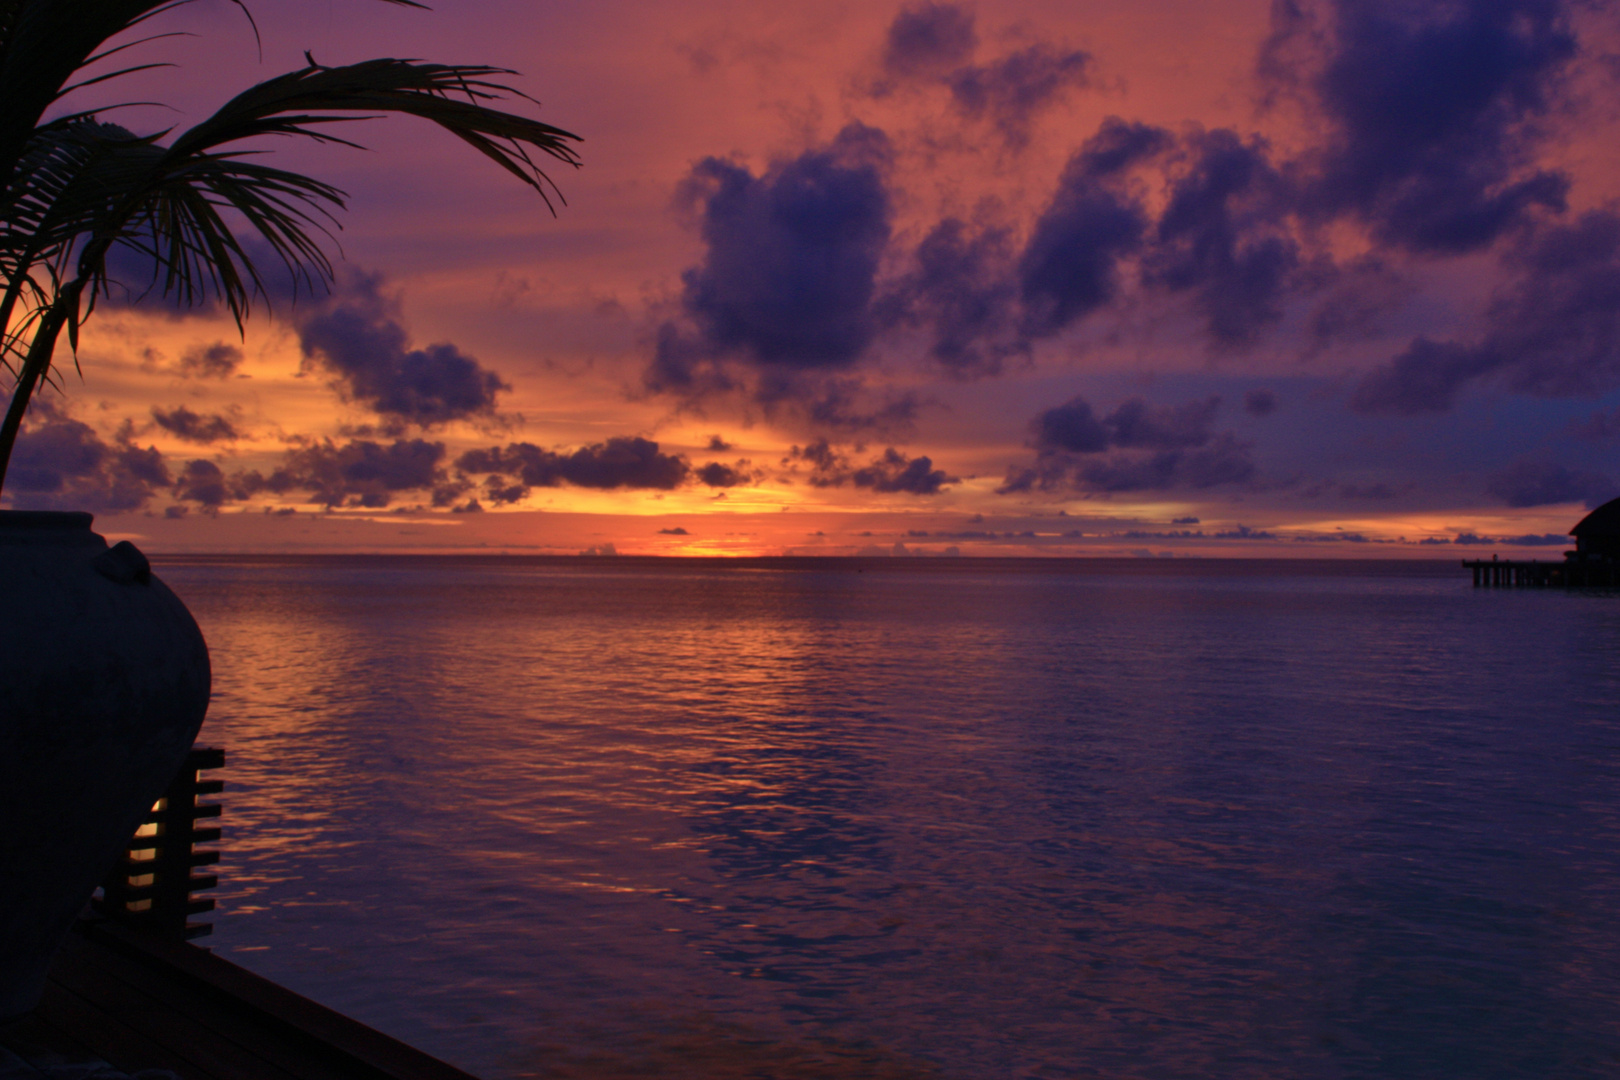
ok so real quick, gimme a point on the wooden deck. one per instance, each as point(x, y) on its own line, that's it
point(136, 1001)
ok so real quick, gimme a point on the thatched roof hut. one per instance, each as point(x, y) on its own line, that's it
point(1598, 533)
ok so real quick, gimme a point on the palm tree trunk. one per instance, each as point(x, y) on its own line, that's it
point(34, 367)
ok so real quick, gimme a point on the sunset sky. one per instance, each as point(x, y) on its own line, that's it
point(1220, 277)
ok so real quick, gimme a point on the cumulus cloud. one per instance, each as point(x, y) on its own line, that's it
point(720, 475)
point(895, 473)
point(890, 473)
point(62, 464)
point(359, 473)
point(355, 335)
point(1434, 112)
point(620, 462)
point(1223, 460)
point(216, 361)
point(1073, 427)
point(933, 44)
point(1069, 268)
point(1011, 91)
point(1137, 425)
point(1426, 378)
point(203, 482)
point(788, 275)
point(964, 293)
point(182, 423)
point(1554, 330)
point(1543, 483)
point(929, 39)
point(1223, 237)
point(1136, 447)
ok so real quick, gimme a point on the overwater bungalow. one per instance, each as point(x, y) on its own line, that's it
point(1594, 562)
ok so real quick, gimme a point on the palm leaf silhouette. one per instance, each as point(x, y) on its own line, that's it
point(77, 186)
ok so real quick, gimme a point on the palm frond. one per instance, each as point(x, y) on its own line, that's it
point(451, 96)
point(74, 189)
point(44, 43)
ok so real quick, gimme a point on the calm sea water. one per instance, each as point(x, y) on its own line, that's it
point(925, 818)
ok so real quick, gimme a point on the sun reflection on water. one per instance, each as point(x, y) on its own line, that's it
point(551, 820)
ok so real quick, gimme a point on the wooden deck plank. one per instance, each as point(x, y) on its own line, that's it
point(107, 1038)
point(138, 1021)
point(363, 1050)
point(32, 1036)
point(137, 1001)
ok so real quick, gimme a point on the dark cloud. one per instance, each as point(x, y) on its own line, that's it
point(1600, 427)
point(963, 291)
point(676, 531)
point(1072, 428)
point(1542, 483)
point(717, 444)
point(1069, 268)
point(928, 39)
point(359, 473)
point(1137, 425)
point(934, 43)
point(1222, 237)
point(1259, 403)
point(1012, 90)
point(217, 361)
point(620, 462)
point(1243, 532)
point(62, 464)
point(1137, 447)
point(718, 475)
point(1527, 540)
point(1557, 329)
point(895, 473)
point(195, 427)
point(891, 473)
point(202, 482)
point(1223, 461)
point(356, 336)
point(824, 461)
point(1553, 331)
point(840, 402)
point(787, 278)
point(1426, 378)
point(1434, 111)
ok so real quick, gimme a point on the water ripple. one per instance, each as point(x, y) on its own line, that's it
point(548, 818)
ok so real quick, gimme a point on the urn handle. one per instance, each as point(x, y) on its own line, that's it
point(124, 563)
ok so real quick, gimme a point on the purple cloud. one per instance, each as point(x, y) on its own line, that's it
point(356, 336)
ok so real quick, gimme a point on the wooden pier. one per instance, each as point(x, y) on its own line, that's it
point(1532, 573)
point(128, 991)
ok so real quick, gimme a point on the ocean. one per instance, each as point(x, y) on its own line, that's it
point(943, 818)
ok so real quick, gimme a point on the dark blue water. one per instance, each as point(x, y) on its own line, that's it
point(906, 818)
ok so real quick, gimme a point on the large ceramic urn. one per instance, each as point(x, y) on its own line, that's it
point(104, 680)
